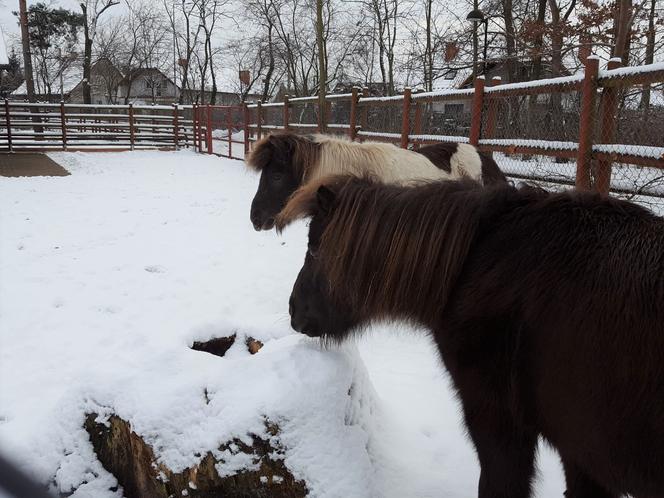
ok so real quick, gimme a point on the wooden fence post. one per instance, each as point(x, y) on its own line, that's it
point(176, 129)
point(63, 125)
point(476, 111)
point(286, 112)
point(492, 110)
point(259, 120)
point(364, 116)
point(405, 118)
point(247, 118)
point(9, 127)
point(229, 128)
point(417, 126)
point(352, 120)
point(208, 129)
point(588, 96)
point(608, 107)
point(194, 124)
point(131, 126)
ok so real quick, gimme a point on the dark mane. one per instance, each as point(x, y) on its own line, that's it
point(297, 152)
point(381, 236)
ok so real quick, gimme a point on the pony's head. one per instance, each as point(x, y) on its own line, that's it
point(314, 309)
point(378, 252)
point(283, 160)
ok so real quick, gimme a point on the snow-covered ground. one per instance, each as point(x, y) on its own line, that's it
point(106, 278)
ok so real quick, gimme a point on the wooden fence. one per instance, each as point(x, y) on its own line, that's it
point(491, 111)
point(594, 150)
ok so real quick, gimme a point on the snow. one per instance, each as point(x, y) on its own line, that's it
point(108, 275)
point(630, 70)
point(466, 94)
point(440, 138)
point(378, 134)
point(4, 58)
point(565, 80)
point(392, 98)
point(632, 150)
point(540, 144)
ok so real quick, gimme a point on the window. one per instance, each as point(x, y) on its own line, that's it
point(453, 109)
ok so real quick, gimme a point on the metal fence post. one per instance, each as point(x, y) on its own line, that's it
point(476, 111)
point(608, 106)
point(208, 129)
point(405, 118)
point(352, 120)
point(588, 96)
point(9, 126)
point(176, 129)
point(131, 126)
point(286, 112)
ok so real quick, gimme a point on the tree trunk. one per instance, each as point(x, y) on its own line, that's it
point(270, 67)
point(510, 42)
point(650, 56)
point(87, 57)
point(322, 68)
point(623, 26)
point(27, 56)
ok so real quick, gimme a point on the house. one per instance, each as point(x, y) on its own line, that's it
point(67, 84)
point(105, 78)
point(147, 86)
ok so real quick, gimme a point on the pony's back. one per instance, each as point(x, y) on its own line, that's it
point(385, 161)
point(574, 286)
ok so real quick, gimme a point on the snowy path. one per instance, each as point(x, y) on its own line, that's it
point(106, 277)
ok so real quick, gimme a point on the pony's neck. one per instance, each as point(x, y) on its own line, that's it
point(342, 157)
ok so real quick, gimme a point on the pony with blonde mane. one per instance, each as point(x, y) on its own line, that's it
point(287, 161)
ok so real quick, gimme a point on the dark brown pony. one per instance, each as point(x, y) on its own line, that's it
point(547, 309)
point(287, 161)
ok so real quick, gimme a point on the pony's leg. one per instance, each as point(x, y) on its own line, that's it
point(506, 453)
point(580, 485)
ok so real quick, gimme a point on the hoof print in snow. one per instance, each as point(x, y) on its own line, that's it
point(125, 455)
point(253, 345)
point(217, 347)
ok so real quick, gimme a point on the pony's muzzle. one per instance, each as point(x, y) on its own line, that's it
point(261, 221)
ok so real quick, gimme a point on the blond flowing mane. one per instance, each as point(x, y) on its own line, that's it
point(391, 164)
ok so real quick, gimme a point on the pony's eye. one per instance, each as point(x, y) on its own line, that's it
point(277, 177)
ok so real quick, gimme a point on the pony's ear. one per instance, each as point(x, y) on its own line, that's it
point(261, 154)
point(325, 198)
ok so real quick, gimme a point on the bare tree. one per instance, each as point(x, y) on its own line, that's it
point(92, 11)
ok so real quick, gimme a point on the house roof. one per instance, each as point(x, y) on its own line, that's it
point(71, 77)
point(456, 82)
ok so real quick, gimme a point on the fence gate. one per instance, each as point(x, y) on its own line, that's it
point(221, 130)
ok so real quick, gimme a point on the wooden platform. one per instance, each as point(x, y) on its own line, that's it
point(29, 164)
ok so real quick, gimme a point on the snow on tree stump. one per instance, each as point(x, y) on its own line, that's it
point(125, 455)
